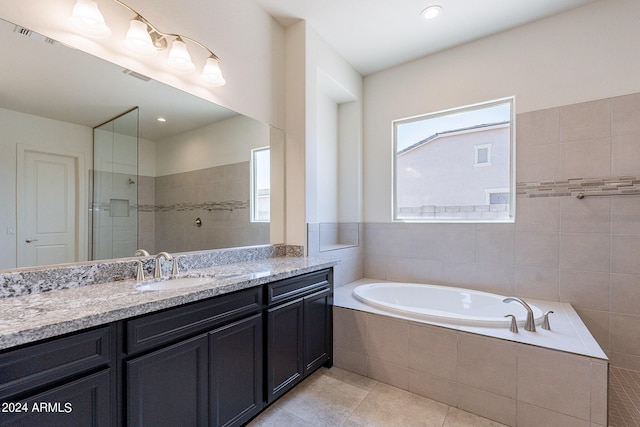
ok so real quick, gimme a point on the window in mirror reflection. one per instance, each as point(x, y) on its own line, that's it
point(260, 184)
point(456, 165)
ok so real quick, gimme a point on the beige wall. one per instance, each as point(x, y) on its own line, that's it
point(585, 252)
point(570, 75)
point(584, 54)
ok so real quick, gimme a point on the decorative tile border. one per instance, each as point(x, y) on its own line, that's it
point(226, 205)
point(610, 186)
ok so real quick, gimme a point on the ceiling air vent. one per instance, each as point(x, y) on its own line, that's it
point(33, 35)
point(137, 75)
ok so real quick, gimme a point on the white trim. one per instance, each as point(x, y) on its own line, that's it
point(476, 151)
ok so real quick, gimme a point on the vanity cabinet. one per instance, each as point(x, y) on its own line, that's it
point(216, 362)
point(61, 382)
point(205, 368)
point(299, 329)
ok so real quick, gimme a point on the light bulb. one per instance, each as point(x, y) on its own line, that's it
point(87, 19)
point(179, 57)
point(212, 73)
point(138, 39)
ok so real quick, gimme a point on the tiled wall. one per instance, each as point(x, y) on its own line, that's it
point(219, 196)
point(585, 252)
point(518, 384)
point(114, 215)
point(351, 254)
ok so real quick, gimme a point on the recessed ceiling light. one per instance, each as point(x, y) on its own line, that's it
point(431, 12)
point(161, 119)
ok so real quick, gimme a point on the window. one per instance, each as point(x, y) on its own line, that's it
point(456, 165)
point(483, 155)
point(260, 184)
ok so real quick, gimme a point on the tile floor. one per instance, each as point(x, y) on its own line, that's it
point(335, 397)
point(624, 398)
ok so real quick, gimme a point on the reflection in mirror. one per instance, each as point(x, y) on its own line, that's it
point(114, 207)
point(195, 164)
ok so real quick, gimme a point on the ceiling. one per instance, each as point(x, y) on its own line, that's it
point(376, 34)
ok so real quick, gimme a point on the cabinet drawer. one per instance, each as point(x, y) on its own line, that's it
point(155, 329)
point(284, 290)
point(84, 402)
point(40, 364)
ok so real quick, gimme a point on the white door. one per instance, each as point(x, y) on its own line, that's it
point(47, 224)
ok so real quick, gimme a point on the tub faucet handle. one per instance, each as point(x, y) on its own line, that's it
point(529, 324)
point(514, 325)
point(545, 321)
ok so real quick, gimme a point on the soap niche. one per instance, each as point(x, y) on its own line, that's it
point(338, 235)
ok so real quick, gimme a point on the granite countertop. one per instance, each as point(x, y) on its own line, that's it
point(29, 318)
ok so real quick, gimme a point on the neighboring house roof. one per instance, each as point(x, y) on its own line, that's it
point(446, 132)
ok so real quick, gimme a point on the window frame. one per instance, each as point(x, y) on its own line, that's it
point(512, 162)
point(253, 196)
point(476, 152)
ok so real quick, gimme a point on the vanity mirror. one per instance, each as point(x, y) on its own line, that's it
point(184, 181)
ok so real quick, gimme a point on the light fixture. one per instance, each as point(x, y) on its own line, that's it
point(145, 39)
point(179, 57)
point(212, 73)
point(86, 17)
point(138, 39)
point(431, 11)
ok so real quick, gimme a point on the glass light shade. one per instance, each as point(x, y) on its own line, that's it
point(212, 73)
point(179, 57)
point(138, 39)
point(87, 19)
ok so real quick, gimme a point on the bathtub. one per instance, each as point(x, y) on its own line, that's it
point(429, 340)
point(444, 304)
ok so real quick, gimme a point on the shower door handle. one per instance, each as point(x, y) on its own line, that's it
point(31, 240)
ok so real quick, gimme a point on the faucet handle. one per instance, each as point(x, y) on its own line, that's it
point(139, 271)
point(545, 321)
point(174, 269)
point(514, 325)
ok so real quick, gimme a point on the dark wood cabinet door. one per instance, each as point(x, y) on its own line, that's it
point(168, 387)
point(235, 372)
point(285, 366)
point(317, 330)
point(84, 402)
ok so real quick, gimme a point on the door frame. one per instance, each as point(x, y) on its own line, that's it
point(82, 196)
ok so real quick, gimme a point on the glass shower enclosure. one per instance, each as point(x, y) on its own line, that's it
point(114, 206)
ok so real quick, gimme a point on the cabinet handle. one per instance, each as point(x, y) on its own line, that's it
point(31, 240)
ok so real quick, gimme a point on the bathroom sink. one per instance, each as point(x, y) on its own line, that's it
point(171, 284)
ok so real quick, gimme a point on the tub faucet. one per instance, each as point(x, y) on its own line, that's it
point(158, 268)
point(529, 324)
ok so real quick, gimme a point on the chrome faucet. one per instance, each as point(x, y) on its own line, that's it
point(529, 324)
point(175, 270)
point(141, 252)
point(139, 271)
point(157, 273)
